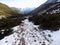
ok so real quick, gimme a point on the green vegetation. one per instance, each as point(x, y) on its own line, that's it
point(47, 21)
point(7, 23)
point(5, 32)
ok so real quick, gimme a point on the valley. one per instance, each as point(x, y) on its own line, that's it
point(41, 26)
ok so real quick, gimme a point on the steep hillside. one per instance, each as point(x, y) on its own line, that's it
point(45, 7)
point(8, 19)
point(48, 16)
point(12, 17)
point(7, 11)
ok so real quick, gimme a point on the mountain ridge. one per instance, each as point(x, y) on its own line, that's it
point(44, 6)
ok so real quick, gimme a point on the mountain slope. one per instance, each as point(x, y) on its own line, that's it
point(7, 11)
point(8, 19)
point(47, 16)
point(45, 7)
point(23, 10)
point(51, 1)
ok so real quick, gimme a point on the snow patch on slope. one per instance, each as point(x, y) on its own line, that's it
point(28, 34)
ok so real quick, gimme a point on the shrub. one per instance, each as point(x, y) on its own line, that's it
point(5, 32)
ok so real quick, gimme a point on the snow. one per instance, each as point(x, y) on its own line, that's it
point(28, 34)
point(56, 38)
point(15, 28)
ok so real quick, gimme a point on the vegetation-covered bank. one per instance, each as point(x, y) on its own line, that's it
point(47, 21)
point(7, 24)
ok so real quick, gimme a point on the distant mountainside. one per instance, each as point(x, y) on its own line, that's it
point(27, 10)
point(45, 7)
point(17, 10)
point(6, 11)
point(23, 10)
point(51, 1)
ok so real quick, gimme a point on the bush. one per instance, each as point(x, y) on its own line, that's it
point(5, 32)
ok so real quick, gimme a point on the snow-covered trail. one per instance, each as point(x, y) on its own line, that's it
point(28, 34)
